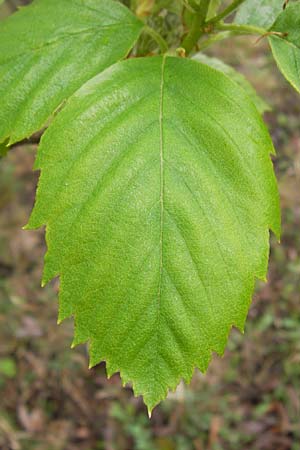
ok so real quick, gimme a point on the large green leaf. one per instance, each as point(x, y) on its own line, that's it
point(261, 13)
point(158, 193)
point(235, 76)
point(286, 50)
point(49, 49)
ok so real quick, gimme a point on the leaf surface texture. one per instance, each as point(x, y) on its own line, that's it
point(235, 76)
point(286, 50)
point(49, 49)
point(261, 13)
point(158, 192)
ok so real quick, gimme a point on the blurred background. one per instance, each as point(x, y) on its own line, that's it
point(249, 399)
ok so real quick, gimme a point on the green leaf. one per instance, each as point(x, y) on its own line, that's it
point(213, 8)
point(158, 192)
point(3, 149)
point(49, 49)
point(235, 76)
point(261, 13)
point(286, 51)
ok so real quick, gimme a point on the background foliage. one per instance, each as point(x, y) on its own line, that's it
point(248, 400)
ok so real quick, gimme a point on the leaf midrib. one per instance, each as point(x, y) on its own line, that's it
point(161, 153)
point(162, 187)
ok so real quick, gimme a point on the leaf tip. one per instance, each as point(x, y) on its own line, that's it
point(92, 362)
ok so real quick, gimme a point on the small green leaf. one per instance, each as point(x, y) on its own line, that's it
point(3, 149)
point(286, 50)
point(158, 192)
point(261, 13)
point(235, 76)
point(49, 49)
point(213, 8)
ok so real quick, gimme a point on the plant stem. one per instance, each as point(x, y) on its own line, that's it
point(229, 34)
point(158, 38)
point(230, 9)
point(213, 39)
point(240, 29)
point(196, 30)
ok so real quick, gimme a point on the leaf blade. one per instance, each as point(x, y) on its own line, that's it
point(261, 13)
point(49, 49)
point(286, 50)
point(144, 211)
point(235, 76)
